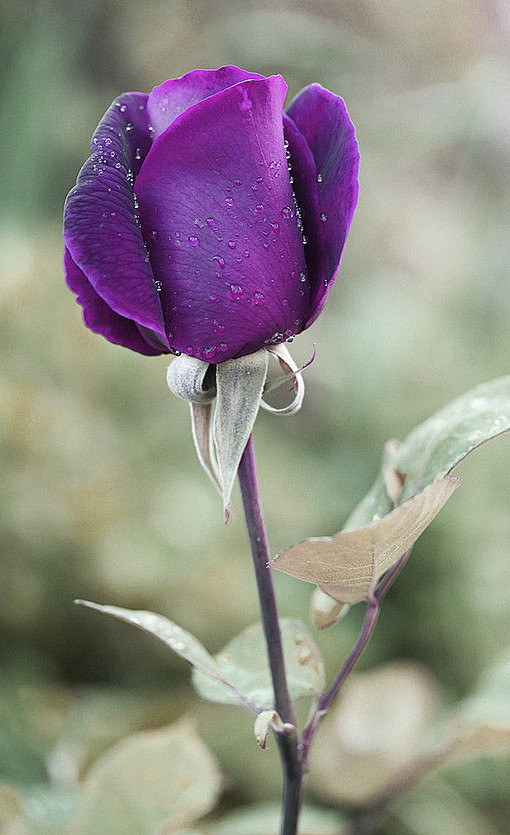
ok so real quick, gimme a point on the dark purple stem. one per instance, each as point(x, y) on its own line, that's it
point(287, 742)
point(372, 614)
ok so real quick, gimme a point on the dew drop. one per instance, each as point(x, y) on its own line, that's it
point(324, 217)
point(209, 221)
point(258, 296)
point(209, 352)
point(123, 108)
point(236, 291)
point(213, 298)
point(129, 127)
point(220, 260)
point(287, 212)
point(319, 178)
point(259, 208)
point(246, 253)
point(198, 224)
point(238, 182)
point(223, 346)
point(154, 234)
point(302, 276)
point(159, 286)
point(304, 239)
point(218, 326)
point(193, 240)
point(285, 302)
point(232, 244)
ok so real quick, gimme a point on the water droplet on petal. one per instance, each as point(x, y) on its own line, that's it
point(232, 244)
point(209, 352)
point(319, 178)
point(236, 291)
point(324, 217)
point(193, 240)
point(209, 221)
point(287, 212)
point(220, 260)
point(123, 108)
point(223, 346)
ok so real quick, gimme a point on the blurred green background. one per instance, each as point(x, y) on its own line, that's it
point(101, 495)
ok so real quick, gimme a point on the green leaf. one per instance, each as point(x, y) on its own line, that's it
point(243, 662)
point(179, 640)
point(182, 642)
point(438, 445)
point(435, 447)
point(348, 566)
point(166, 778)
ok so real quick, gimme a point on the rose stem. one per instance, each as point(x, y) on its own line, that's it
point(371, 616)
point(287, 742)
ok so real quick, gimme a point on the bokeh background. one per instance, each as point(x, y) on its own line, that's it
point(101, 495)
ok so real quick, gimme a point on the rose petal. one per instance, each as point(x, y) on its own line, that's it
point(323, 120)
point(170, 99)
point(306, 189)
point(101, 229)
point(99, 317)
point(215, 190)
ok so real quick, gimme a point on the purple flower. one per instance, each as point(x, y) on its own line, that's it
point(207, 221)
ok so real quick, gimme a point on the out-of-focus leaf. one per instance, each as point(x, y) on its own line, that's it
point(243, 662)
point(11, 812)
point(264, 819)
point(152, 781)
point(348, 565)
point(480, 726)
point(374, 732)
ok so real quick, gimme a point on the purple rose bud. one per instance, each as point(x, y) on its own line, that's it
point(208, 221)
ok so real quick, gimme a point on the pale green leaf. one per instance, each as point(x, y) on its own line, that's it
point(153, 781)
point(243, 662)
point(347, 566)
point(179, 640)
point(435, 447)
point(264, 819)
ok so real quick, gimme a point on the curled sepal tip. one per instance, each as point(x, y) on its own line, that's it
point(291, 370)
point(191, 379)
